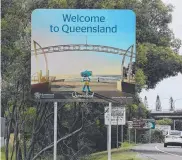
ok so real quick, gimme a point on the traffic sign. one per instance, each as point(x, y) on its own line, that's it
point(130, 124)
point(149, 124)
point(144, 123)
point(117, 116)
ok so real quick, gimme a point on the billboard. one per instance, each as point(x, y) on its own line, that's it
point(79, 55)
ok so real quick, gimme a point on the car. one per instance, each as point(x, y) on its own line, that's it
point(173, 138)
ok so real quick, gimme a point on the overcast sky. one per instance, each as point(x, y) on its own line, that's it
point(171, 86)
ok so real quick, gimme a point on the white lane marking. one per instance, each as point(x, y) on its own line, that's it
point(167, 152)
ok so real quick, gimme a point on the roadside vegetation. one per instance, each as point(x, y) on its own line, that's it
point(10, 155)
point(122, 153)
point(165, 121)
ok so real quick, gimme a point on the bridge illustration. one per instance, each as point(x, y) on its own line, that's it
point(129, 79)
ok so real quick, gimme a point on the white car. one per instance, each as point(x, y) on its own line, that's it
point(173, 138)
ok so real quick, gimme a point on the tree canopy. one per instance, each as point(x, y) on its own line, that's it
point(164, 121)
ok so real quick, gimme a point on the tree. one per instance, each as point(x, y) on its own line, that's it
point(156, 63)
point(171, 103)
point(164, 121)
point(176, 45)
point(158, 104)
point(140, 79)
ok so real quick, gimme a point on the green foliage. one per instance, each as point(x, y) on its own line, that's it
point(117, 154)
point(136, 111)
point(127, 145)
point(164, 121)
point(158, 63)
point(98, 122)
point(157, 136)
point(140, 79)
point(2, 150)
point(68, 107)
point(29, 114)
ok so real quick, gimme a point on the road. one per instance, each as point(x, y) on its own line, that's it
point(158, 152)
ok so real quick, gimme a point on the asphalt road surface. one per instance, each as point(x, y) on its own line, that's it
point(158, 152)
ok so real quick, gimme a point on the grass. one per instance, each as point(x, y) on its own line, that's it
point(122, 153)
point(2, 151)
point(119, 155)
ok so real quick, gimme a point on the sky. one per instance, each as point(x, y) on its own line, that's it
point(66, 63)
point(171, 86)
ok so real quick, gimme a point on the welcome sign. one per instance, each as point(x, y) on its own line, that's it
point(69, 18)
point(79, 54)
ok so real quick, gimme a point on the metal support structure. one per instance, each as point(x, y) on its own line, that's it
point(174, 124)
point(121, 134)
point(117, 132)
point(129, 135)
point(45, 57)
point(37, 64)
point(130, 64)
point(55, 130)
point(40, 75)
point(82, 47)
point(109, 132)
point(123, 60)
point(135, 137)
point(108, 138)
point(150, 130)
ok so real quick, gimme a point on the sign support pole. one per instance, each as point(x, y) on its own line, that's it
point(149, 135)
point(117, 132)
point(108, 138)
point(135, 136)
point(174, 124)
point(109, 132)
point(129, 135)
point(55, 130)
point(122, 135)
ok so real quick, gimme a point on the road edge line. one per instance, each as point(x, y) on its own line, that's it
point(167, 152)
